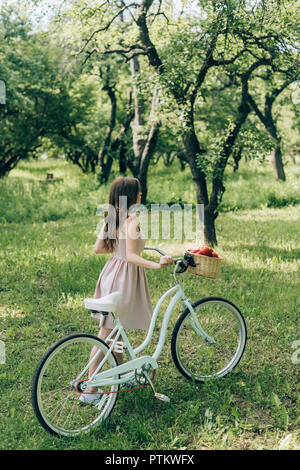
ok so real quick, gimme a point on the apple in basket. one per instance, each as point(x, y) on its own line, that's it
point(204, 251)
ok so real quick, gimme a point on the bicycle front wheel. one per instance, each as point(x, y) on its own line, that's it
point(216, 348)
point(55, 399)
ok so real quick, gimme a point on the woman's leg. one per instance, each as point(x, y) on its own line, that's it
point(103, 334)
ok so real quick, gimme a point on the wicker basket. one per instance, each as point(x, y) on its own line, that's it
point(206, 266)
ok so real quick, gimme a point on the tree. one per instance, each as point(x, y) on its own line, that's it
point(144, 126)
point(144, 122)
point(56, 110)
point(267, 117)
point(111, 146)
point(44, 106)
point(20, 127)
point(144, 131)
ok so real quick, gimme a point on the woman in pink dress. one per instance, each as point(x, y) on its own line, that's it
point(125, 270)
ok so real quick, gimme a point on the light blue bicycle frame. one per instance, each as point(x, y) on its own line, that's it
point(108, 377)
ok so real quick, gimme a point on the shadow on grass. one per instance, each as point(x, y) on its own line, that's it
point(268, 252)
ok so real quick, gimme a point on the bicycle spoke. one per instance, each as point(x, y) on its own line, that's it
point(70, 413)
point(60, 406)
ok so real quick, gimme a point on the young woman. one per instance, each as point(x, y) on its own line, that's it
point(125, 270)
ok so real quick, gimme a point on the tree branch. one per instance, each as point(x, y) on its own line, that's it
point(107, 26)
point(144, 37)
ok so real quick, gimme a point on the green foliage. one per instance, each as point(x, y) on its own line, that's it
point(282, 201)
point(256, 143)
point(70, 118)
point(50, 104)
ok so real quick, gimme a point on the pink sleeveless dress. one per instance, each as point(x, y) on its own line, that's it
point(135, 309)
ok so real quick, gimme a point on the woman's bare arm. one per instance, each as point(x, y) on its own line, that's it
point(131, 228)
point(99, 246)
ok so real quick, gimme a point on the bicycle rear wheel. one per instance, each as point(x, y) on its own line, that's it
point(55, 399)
point(200, 360)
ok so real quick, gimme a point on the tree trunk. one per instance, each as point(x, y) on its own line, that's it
point(276, 156)
point(210, 237)
point(144, 136)
point(182, 160)
point(110, 148)
point(105, 164)
point(192, 150)
point(270, 125)
point(8, 164)
point(277, 164)
point(148, 152)
point(237, 156)
point(122, 158)
point(138, 122)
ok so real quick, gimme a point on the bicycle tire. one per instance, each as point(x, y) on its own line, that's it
point(40, 408)
point(201, 355)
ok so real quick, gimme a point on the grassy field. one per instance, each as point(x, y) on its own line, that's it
point(47, 268)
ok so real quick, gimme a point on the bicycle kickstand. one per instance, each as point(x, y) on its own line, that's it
point(159, 396)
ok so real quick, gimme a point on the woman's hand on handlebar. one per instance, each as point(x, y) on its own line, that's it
point(165, 261)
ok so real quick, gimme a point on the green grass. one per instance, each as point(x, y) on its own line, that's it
point(47, 268)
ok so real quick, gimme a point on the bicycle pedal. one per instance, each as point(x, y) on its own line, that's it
point(162, 397)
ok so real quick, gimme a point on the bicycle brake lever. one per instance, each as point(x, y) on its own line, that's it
point(182, 267)
point(190, 259)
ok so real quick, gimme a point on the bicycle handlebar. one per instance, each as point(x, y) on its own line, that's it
point(156, 249)
point(182, 262)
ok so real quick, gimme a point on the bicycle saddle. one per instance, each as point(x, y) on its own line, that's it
point(104, 304)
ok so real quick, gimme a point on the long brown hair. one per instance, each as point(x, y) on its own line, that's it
point(121, 186)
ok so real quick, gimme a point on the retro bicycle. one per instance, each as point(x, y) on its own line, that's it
point(208, 341)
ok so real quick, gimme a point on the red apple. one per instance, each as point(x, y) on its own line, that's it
point(206, 251)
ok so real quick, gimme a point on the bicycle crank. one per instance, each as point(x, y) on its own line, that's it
point(159, 396)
